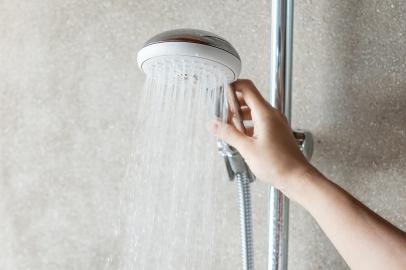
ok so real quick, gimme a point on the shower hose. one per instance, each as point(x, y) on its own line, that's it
point(247, 248)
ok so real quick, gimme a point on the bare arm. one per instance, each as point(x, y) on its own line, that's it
point(364, 239)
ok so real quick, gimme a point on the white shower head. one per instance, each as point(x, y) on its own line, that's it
point(190, 47)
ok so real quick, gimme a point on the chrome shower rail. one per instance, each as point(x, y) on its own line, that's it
point(280, 98)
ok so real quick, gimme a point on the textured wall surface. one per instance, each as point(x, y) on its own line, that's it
point(69, 86)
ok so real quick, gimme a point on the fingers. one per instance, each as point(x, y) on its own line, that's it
point(231, 135)
point(249, 131)
point(246, 113)
point(248, 94)
point(240, 99)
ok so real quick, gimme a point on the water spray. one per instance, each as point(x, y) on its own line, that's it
point(195, 56)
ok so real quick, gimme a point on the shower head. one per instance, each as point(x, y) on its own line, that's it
point(192, 47)
point(208, 63)
point(197, 56)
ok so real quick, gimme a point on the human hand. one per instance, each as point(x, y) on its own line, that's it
point(269, 147)
point(271, 152)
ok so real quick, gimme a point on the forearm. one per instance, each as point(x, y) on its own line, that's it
point(365, 240)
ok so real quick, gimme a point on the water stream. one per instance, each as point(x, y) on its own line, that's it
point(176, 200)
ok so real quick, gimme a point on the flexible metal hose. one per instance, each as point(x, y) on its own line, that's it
point(247, 248)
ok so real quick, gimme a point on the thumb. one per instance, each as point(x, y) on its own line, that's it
point(230, 135)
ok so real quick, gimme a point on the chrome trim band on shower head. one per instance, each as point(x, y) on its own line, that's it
point(194, 36)
point(280, 98)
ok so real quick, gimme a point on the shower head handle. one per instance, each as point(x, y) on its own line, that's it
point(235, 163)
point(234, 113)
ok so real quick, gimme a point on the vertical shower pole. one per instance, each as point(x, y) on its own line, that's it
point(280, 98)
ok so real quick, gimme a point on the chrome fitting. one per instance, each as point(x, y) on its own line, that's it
point(304, 140)
point(235, 163)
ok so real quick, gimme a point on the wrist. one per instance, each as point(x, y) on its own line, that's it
point(299, 184)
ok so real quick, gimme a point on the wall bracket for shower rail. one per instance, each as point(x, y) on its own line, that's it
point(304, 140)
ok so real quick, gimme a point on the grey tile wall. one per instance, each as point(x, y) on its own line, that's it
point(69, 89)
